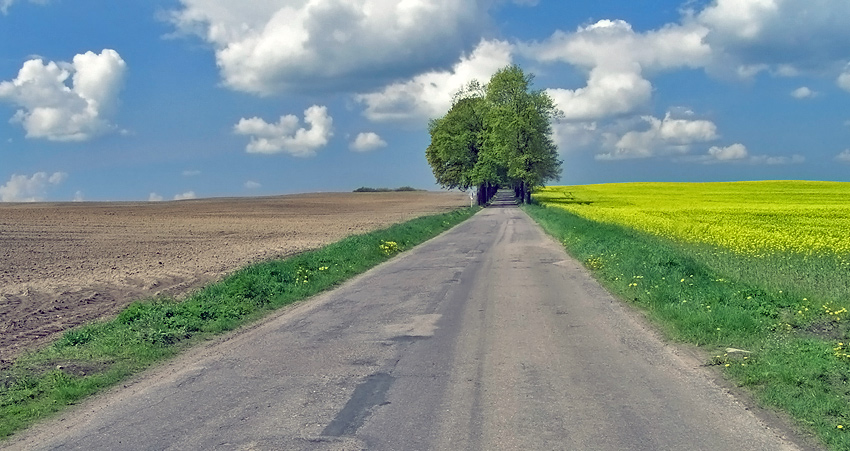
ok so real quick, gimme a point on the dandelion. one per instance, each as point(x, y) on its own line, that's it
point(389, 247)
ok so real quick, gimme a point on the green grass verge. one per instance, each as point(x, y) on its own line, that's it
point(89, 358)
point(799, 360)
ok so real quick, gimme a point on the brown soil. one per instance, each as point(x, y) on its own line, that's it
point(64, 264)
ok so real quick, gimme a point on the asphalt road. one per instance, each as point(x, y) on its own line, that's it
point(487, 338)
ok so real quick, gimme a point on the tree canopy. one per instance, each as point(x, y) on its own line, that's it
point(496, 135)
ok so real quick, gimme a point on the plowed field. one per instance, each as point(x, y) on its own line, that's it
point(63, 264)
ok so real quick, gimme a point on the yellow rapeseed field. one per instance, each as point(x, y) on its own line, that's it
point(752, 218)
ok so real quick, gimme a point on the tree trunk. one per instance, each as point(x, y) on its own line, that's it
point(521, 195)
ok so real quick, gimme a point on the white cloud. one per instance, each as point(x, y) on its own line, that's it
point(286, 136)
point(574, 136)
point(154, 197)
point(664, 136)
point(191, 173)
point(21, 188)
point(844, 79)
point(186, 196)
point(366, 142)
point(5, 4)
point(429, 95)
point(615, 45)
point(606, 94)
point(265, 47)
point(803, 92)
point(844, 156)
point(51, 109)
point(776, 161)
point(784, 36)
point(79, 197)
point(734, 152)
point(789, 38)
point(250, 184)
point(738, 153)
point(740, 19)
point(616, 59)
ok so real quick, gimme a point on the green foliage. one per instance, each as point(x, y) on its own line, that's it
point(798, 342)
point(455, 140)
point(499, 134)
point(518, 131)
point(98, 355)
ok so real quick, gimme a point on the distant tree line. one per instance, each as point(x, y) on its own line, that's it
point(496, 136)
point(366, 189)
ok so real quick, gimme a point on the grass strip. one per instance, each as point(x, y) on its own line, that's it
point(798, 355)
point(98, 355)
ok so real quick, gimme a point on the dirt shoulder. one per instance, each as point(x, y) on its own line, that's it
point(65, 264)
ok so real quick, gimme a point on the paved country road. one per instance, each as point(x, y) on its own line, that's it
point(486, 338)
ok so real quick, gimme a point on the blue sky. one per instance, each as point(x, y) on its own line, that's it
point(161, 100)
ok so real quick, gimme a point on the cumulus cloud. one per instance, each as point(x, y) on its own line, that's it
point(734, 152)
point(429, 95)
point(738, 153)
point(365, 142)
point(737, 37)
point(616, 59)
point(844, 80)
point(265, 47)
point(21, 188)
point(285, 136)
point(784, 36)
point(154, 197)
point(186, 196)
point(250, 184)
point(614, 44)
point(575, 136)
point(607, 94)
point(79, 197)
point(803, 92)
point(844, 156)
point(51, 109)
point(664, 136)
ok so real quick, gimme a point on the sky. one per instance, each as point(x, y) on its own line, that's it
point(158, 100)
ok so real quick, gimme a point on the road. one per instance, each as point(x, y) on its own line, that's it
point(488, 337)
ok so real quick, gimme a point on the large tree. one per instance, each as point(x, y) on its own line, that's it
point(456, 139)
point(518, 131)
point(498, 135)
